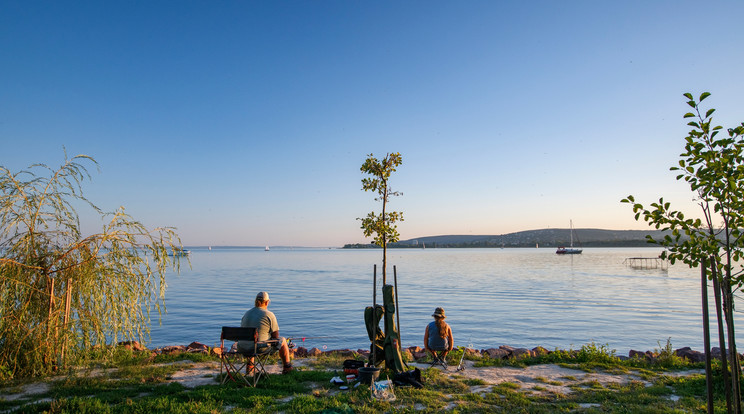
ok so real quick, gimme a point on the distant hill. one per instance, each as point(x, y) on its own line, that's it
point(530, 238)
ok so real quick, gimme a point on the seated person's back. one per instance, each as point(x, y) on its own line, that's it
point(264, 321)
point(261, 319)
point(438, 339)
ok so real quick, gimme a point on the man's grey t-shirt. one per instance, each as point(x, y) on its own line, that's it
point(260, 318)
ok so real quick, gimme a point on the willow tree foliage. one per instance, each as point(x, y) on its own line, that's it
point(381, 226)
point(62, 292)
point(713, 166)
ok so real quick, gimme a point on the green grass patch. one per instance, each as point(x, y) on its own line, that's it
point(141, 384)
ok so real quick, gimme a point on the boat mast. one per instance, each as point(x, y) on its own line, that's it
point(571, 224)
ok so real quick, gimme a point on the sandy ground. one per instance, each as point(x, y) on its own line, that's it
point(547, 378)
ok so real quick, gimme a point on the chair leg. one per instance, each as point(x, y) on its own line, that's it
point(232, 369)
point(255, 368)
point(439, 360)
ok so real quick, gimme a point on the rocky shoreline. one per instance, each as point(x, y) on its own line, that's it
point(416, 353)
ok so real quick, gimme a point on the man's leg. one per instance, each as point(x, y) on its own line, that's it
point(284, 355)
point(250, 367)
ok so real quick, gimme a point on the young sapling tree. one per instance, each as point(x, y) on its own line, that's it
point(381, 226)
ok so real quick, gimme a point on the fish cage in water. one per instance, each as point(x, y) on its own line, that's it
point(646, 263)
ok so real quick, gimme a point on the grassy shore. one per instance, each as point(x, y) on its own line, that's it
point(589, 380)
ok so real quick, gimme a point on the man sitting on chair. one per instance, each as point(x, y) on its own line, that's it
point(268, 329)
point(438, 339)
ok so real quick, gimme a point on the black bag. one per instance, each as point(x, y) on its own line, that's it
point(351, 366)
point(412, 377)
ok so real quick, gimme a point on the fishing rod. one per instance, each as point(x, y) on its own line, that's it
point(291, 339)
point(460, 365)
point(302, 338)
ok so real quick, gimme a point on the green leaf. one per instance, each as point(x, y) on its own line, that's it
point(703, 96)
point(687, 95)
point(710, 112)
point(689, 115)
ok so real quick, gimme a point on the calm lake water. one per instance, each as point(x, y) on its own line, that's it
point(492, 297)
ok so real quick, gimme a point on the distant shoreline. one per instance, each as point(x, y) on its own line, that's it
point(547, 238)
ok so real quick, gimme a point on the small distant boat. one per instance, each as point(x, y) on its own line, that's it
point(266, 248)
point(179, 252)
point(570, 249)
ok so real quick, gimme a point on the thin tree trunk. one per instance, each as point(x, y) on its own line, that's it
point(733, 356)
point(729, 309)
point(706, 337)
point(384, 238)
point(721, 336)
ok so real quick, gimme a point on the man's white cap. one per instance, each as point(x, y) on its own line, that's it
point(264, 296)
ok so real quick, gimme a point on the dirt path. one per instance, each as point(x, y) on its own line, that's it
point(547, 378)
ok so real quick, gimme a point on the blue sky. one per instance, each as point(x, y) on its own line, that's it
point(245, 123)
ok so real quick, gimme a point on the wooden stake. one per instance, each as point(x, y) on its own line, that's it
point(374, 315)
point(397, 308)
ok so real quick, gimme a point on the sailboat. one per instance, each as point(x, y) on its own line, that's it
point(570, 249)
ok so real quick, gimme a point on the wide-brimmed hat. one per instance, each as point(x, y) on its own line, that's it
point(439, 313)
point(264, 296)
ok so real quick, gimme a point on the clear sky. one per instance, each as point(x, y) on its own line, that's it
point(246, 122)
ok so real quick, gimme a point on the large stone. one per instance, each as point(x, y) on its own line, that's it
point(418, 355)
point(690, 354)
point(472, 352)
point(521, 353)
point(497, 353)
point(415, 349)
point(314, 352)
point(650, 355)
point(682, 350)
point(538, 350)
point(636, 354)
point(217, 351)
point(174, 349)
point(715, 352)
point(301, 352)
point(197, 347)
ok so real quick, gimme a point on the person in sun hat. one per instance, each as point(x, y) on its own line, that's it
point(438, 339)
point(268, 328)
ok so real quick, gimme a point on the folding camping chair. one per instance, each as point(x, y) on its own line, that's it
point(439, 360)
point(232, 362)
